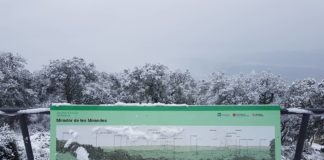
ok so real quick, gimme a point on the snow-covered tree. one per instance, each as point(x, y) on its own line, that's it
point(119, 85)
point(181, 88)
point(301, 93)
point(270, 87)
point(100, 91)
point(253, 88)
point(218, 82)
point(147, 84)
point(234, 89)
point(15, 82)
point(316, 128)
point(238, 91)
point(306, 94)
point(290, 125)
point(319, 102)
point(41, 84)
point(202, 92)
point(67, 78)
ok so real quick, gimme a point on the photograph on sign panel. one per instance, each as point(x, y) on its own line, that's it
point(166, 142)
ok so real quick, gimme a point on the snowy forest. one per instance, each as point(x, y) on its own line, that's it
point(79, 82)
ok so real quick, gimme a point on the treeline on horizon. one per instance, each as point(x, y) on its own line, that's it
point(76, 81)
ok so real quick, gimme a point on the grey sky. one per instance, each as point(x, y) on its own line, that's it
point(285, 37)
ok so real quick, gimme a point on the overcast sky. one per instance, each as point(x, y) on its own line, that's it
point(286, 37)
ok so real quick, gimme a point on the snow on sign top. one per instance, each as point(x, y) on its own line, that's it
point(26, 111)
point(129, 104)
point(299, 110)
point(34, 110)
point(61, 104)
point(161, 106)
point(144, 104)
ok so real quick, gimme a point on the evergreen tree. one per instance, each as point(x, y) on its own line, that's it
point(181, 88)
point(67, 78)
point(147, 84)
point(15, 82)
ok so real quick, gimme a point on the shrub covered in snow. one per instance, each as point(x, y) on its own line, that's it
point(40, 145)
point(8, 148)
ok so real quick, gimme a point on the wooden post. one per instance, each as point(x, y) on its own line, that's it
point(26, 138)
point(301, 137)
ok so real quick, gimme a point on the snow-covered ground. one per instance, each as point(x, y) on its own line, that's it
point(312, 153)
point(317, 152)
point(40, 143)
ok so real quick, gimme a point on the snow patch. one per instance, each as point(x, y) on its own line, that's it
point(7, 114)
point(34, 110)
point(299, 110)
point(144, 104)
point(129, 104)
point(26, 111)
point(170, 131)
point(40, 144)
point(74, 135)
point(82, 154)
point(60, 104)
point(68, 143)
point(317, 147)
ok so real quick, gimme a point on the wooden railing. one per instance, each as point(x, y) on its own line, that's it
point(22, 115)
point(306, 113)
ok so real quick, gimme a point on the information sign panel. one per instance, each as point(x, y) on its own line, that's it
point(165, 132)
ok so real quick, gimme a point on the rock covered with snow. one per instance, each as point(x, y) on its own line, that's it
point(82, 154)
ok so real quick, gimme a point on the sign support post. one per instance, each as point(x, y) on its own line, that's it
point(26, 139)
point(302, 137)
